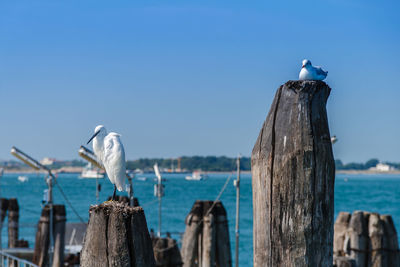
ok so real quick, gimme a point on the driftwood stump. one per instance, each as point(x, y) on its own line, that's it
point(117, 235)
point(206, 238)
point(293, 173)
point(370, 240)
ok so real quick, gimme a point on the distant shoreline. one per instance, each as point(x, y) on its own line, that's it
point(78, 170)
point(366, 172)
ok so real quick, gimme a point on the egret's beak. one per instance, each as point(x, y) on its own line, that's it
point(91, 138)
point(303, 66)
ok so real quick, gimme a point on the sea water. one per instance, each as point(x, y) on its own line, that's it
point(375, 193)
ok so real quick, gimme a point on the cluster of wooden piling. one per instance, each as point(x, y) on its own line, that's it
point(117, 235)
point(206, 238)
point(365, 239)
point(11, 206)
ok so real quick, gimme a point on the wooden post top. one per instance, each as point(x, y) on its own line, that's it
point(109, 206)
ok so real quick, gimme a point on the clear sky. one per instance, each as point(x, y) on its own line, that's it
point(192, 77)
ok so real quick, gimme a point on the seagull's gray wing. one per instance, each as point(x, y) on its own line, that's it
point(320, 71)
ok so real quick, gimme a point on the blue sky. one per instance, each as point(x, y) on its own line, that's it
point(192, 78)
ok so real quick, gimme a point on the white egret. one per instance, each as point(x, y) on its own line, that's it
point(309, 72)
point(110, 152)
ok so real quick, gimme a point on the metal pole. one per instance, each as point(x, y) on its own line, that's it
point(159, 213)
point(50, 203)
point(237, 184)
point(97, 190)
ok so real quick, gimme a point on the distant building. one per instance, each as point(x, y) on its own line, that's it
point(48, 161)
point(382, 167)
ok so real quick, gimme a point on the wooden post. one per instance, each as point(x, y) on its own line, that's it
point(377, 256)
point(3, 213)
point(222, 239)
point(174, 253)
point(166, 252)
point(189, 250)
point(209, 236)
point(343, 262)
point(117, 235)
point(391, 244)
point(356, 246)
point(13, 218)
point(125, 199)
point(59, 234)
point(42, 241)
point(293, 175)
point(340, 229)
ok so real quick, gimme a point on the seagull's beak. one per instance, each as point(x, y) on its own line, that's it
point(91, 138)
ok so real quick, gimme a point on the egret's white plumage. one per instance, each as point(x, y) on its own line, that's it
point(309, 72)
point(109, 150)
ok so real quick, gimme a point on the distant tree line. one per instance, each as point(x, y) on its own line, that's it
point(204, 163)
point(208, 163)
point(362, 166)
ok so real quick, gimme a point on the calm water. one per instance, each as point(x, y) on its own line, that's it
point(377, 193)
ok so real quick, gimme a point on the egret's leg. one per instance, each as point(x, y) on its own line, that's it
point(115, 190)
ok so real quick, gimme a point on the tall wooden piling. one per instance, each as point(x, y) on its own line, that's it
point(293, 174)
point(13, 219)
point(117, 235)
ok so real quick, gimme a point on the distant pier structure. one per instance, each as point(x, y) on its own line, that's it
point(293, 173)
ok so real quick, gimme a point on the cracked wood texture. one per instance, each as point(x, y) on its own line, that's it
point(293, 175)
point(117, 235)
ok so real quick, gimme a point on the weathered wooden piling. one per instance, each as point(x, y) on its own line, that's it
point(224, 257)
point(190, 240)
point(60, 218)
point(125, 199)
point(42, 239)
point(293, 175)
point(3, 214)
point(370, 241)
point(166, 252)
point(209, 234)
point(117, 235)
point(356, 240)
point(340, 228)
point(13, 219)
point(206, 238)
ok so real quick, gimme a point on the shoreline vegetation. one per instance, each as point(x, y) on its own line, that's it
point(186, 164)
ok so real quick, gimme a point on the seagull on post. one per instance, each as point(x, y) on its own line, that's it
point(110, 152)
point(309, 72)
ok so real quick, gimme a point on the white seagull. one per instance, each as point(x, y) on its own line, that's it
point(309, 72)
point(109, 150)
